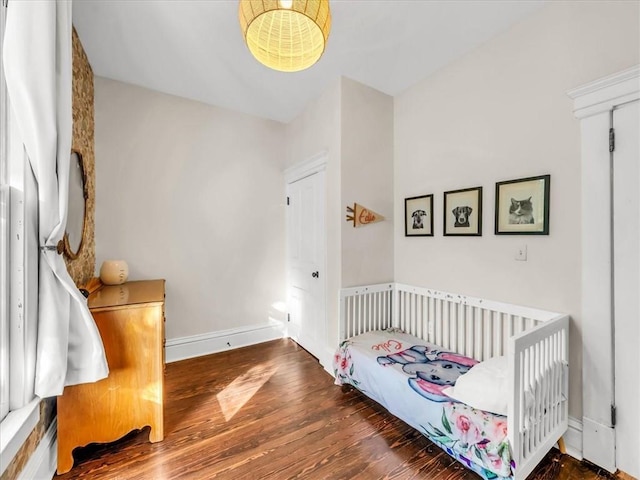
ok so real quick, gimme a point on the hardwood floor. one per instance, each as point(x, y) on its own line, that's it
point(270, 411)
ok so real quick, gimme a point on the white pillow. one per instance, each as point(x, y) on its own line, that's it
point(483, 387)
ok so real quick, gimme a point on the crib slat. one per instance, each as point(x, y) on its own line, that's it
point(550, 365)
point(477, 347)
point(401, 310)
point(432, 319)
point(468, 338)
point(489, 332)
point(370, 315)
point(387, 308)
point(412, 314)
point(460, 330)
point(380, 321)
point(422, 321)
point(447, 325)
point(349, 325)
point(500, 328)
point(450, 325)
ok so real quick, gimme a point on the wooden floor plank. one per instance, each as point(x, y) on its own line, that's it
point(270, 411)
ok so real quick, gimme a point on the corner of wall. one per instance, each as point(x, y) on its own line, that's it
point(366, 176)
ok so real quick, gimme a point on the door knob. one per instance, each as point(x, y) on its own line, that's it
point(315, 274)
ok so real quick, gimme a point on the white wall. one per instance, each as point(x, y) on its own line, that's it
point(353, 124)
point(315, 130)
point(193, 194)
point(499, 113)
point(366, 178)
point(175, 178)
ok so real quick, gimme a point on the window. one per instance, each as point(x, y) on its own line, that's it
point(18, 261)
point(18, 280)
point(4, 239)
point(19, 411)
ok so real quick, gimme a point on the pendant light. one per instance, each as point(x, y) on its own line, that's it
point(285, 35)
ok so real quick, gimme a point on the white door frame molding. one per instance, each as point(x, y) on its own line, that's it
point(593, 104)
point(315, 164)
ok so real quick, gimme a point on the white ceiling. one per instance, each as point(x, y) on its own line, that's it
point(194, 48)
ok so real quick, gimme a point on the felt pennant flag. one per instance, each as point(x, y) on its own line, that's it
point(362, 216)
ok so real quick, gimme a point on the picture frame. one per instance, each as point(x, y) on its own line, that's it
point(522, 206)
point(418, 216)
point(463, 212)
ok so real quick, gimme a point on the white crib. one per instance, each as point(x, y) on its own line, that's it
point(534, 341)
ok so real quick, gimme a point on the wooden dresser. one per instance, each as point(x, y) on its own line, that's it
point(130, 318)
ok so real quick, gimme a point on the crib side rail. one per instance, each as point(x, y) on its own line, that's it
point(499, 307)
point(539, 382)
point(474, 327)
point(365, 308)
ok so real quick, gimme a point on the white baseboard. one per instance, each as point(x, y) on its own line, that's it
point(599, 442)
point(43, 462)
point(327, 361)
point(220, 341)
point(573, 438)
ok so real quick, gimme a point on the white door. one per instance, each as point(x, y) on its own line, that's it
point(306, 260)
point(610, 369)
point(626, 260)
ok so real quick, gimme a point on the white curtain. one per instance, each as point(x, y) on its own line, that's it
point(38, 70)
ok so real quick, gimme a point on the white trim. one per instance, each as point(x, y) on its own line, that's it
point(604, 94)
point(314, 341)
point(4, 295)
point(14, 430)
point(303, 169)
point(300, 170)
point(4, 234)
point(573, 438)
point(213, 342)
point(43, 463)
point(599, 442)
point(327, 360)
point(592, 105)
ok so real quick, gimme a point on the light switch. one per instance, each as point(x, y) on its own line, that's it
point(521, 253)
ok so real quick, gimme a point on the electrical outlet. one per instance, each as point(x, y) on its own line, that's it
point(521, 253)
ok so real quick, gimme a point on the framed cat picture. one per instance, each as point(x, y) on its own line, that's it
point(522, 206)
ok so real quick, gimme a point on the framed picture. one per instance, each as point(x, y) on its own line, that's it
point(522, 206)
point(463, 212)
point(418, 216)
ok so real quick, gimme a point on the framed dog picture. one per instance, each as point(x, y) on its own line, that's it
point(522, 206)
point(418, 216)
point(463, 212)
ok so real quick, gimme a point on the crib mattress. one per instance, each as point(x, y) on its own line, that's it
point(406, 375)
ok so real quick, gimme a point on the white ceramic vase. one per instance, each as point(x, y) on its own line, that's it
point(114, 272)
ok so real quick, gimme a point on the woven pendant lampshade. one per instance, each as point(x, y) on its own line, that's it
point(286, 35)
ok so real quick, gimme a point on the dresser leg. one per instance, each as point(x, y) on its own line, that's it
point(156, 434)
point(65, 460)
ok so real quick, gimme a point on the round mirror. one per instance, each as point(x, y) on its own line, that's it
point(77, 207)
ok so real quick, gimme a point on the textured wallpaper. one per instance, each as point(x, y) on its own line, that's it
point(82, 267)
